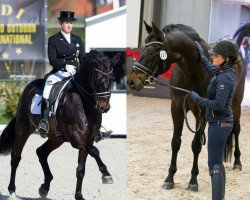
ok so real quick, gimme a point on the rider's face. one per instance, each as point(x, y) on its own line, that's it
point(217, 59)
point(66, 26)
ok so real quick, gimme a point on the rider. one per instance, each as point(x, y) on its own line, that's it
point(65, 52)
point(219, 114)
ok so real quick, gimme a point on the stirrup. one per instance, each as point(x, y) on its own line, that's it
point(103, 135)
point(43, 128)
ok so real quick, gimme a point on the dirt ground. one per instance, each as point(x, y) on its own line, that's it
point(63, 163)
point(149, 127)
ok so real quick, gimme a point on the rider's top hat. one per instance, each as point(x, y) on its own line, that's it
point(67, 16)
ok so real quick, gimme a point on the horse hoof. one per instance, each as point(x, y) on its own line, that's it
point(167, 186)
point(237, 167)
point(42, 192)
point(12, 196)
point(79, 196)
point(193, 187)
point(107, 180)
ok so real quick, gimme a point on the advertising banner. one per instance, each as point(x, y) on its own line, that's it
point(22, 30)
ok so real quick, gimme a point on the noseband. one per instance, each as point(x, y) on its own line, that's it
point(105, 94)
point(151, 74)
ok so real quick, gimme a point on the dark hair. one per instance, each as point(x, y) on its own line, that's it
point(231, 60)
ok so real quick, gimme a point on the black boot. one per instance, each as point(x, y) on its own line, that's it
point(218, 182)
point(43, 126)
point(224, 177)
point(102, 135)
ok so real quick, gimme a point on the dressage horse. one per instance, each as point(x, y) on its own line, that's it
point(176, 43)
point(78, 118)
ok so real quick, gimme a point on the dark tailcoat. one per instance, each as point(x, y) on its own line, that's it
point(61, 53)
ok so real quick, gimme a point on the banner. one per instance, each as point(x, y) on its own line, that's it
point(22, 30)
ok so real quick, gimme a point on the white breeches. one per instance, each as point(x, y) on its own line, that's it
point(51, 80)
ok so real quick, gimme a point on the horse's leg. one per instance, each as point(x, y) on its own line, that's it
point(196, 148)
point(236, 107)
point(80, 172)
point(22, 133)
point(237, 153)
point(178, 119)
point(94, 152)
point(43, 153)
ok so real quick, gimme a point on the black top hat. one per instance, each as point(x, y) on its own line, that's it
point(66, 16)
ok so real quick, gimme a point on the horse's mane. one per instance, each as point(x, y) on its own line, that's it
point(189, 31)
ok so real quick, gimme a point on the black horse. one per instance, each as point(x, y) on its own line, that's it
point(177, 43)
point(241, 33)
point(78, 118)
point(241, 37)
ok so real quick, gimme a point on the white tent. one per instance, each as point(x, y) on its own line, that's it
point(106, 30)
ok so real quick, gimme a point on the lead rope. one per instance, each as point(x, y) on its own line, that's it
point(203, 137)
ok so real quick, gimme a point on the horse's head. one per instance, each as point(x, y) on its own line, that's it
point(155, 59)
point(104, 79)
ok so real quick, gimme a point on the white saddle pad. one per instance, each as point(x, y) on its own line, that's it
point(35, 107)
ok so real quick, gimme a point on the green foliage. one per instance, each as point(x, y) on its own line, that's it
point(3, 120)
point(10, 93)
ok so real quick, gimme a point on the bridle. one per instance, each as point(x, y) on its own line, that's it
point(105, 94)
point(151, 74)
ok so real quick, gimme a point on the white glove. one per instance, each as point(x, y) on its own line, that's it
point(71, 69)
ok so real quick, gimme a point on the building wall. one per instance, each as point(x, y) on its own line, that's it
point(225, 20)
point(133, 22)
point(194, 13)
point(106, 30)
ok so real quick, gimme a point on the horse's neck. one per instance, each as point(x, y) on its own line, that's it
point(84, 78)
point(193, 72)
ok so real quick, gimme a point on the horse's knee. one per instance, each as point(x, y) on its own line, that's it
point(80, 172)
point(92, 150)
point(176, 143)
point(236, 128)
point(196, 143)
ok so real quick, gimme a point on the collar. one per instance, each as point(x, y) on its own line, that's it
point(224, 68)
point(67, 36)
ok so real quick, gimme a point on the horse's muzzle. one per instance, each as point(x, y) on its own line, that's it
point(104, 110)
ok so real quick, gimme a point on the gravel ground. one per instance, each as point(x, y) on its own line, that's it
point(63, 163)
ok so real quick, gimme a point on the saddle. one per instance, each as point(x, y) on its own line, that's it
point(57, 92)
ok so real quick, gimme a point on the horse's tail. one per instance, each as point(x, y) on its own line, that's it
point(7, 138)
point(229, 148)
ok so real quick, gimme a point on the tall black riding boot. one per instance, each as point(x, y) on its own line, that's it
point(224, 177)
point(43, 126)
point(218, 182)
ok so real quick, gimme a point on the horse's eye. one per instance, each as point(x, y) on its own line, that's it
point(151, 51)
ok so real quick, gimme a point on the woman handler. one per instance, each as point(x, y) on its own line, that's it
point(219, 115)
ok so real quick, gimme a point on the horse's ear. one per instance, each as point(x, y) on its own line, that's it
point(115, 59)
point(148, 28)
point(156, 30)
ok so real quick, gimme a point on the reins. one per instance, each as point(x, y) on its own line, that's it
point(203, 138)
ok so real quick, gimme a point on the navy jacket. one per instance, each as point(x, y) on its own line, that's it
point(220, 92)
point(61, 53)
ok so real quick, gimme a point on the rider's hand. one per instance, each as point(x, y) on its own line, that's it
point(199, 48)
point(194, 96)
point(71, 69)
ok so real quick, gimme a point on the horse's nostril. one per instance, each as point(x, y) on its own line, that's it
point(130, 82)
